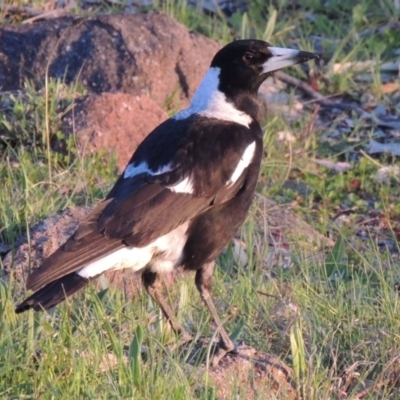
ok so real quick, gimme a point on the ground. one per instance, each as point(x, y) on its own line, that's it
point(310, 285)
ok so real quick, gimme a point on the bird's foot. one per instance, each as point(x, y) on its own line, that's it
point(184, 338)
point(221, 351)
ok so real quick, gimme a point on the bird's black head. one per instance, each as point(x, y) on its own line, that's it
point(245, 64)
point(228, 90)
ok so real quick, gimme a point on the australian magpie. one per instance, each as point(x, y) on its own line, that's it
point(184, 193)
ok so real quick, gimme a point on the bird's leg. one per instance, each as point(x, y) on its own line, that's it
point(153, 286)
point(203, 284)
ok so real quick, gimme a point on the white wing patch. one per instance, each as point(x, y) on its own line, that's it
point(185, 186)
point(132, 170)
point(209, 102)
point(163, 255)
point(244, 162)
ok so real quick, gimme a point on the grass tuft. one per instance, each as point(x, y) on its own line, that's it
point(330, 313)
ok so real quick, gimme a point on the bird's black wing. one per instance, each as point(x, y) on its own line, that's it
point(180, 174)
point(203, 155)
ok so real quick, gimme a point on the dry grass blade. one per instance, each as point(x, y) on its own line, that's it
point(323, 101)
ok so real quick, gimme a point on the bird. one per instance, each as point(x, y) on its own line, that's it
point(183, 195)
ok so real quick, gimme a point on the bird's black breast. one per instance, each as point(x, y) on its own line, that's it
point(212, 230)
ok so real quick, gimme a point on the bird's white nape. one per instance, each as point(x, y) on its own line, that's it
point(210, 102)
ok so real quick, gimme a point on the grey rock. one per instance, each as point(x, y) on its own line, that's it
point(137, 54)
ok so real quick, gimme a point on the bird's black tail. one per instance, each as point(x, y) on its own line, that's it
point(53, 293)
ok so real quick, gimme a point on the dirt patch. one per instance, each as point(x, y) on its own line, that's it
point(257, 372)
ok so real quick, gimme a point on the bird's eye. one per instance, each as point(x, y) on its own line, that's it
point(248, 57)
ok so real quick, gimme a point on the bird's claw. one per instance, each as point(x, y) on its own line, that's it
point(221, 351)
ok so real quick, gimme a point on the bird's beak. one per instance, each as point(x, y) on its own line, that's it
point(282, 58)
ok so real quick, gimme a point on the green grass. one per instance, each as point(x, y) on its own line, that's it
point(332, 316)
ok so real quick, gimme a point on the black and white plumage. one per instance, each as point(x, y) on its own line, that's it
point(184, 193)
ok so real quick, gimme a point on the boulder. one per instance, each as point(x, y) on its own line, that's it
point(114, 122)
point(44, 239)
point(138, 54)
